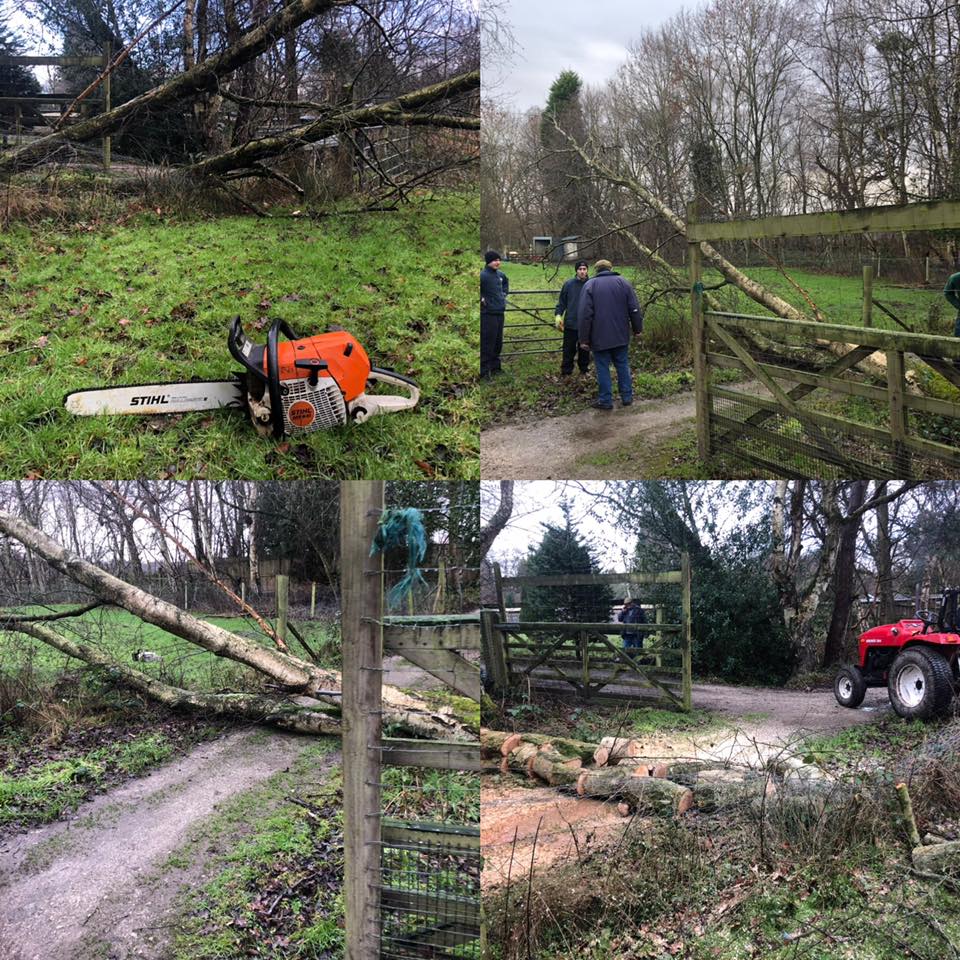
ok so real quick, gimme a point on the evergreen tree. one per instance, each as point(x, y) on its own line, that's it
point(562, 550)
point(16, 81)
point(567, 182)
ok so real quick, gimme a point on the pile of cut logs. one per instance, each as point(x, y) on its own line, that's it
point(616, 769)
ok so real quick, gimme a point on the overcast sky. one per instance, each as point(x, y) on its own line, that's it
point(590, 38)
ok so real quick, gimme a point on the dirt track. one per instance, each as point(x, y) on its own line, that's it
point(551, 449)
point(100, 886)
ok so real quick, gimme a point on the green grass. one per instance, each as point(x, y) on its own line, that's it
point(222, 919)
point(120, 634)
point(46, 791)
point(150, 301)
point(873, 741)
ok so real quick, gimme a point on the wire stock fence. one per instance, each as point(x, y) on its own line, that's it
point(412, 885)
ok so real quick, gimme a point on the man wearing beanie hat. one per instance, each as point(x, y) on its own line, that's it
point(494, 287)
point(609, 311)
point(565, 318)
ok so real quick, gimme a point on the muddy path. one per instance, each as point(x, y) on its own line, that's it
point(554, 448)
point(524, 823)
point(593, 444)
point(103, 884)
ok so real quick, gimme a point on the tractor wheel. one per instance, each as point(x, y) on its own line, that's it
point(920, 684)
point(850, 686)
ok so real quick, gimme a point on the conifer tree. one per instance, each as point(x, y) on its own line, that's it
point(563, 550)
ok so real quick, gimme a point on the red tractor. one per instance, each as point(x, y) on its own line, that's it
point(916, 660)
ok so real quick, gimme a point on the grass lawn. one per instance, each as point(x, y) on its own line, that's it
point(150, 300)
point(662, 361)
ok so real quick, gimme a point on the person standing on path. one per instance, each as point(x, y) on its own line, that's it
point(565, 319)
point(494, 287)
point(632, 612)
point(607, 313)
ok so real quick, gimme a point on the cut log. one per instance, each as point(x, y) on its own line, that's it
point(942, 858)
point(518, 759)
point(612, 749)
point(504, 743)
point(646, 795)
point(638, 769)
point(491, 741)
point(549, 765)
point(685, 772)
point(720, 789)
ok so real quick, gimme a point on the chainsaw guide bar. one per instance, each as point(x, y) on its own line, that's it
point(152, 398)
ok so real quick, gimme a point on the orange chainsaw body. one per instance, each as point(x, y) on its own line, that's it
point(345, 360)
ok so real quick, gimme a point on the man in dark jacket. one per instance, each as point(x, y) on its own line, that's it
point(494, 286)
point(566, 320)
point(607, 313)
point(632, 612)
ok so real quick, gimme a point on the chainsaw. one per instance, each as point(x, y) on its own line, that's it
point(289, 388)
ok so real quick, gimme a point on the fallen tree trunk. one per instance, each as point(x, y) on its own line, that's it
point(203, 77)
point(719, 789)
point(296, 676)
point(236, 706)
point(874, 363)
point(646, 795)
point(614, 749)
point(396, 111)
point(517, 760)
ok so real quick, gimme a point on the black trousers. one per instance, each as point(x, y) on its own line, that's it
point(491, 342)
point(571, 351)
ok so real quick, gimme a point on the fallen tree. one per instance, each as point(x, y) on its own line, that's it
point(294, 676)
point(873, 363)
point(398, 111)
point(202, 78)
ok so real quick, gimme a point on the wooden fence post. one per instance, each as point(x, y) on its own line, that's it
point(701, 397)
point(898, 413)
point(868, 295)
point(686, 635)
point(494, 652)
point(283, 604)
point(361, 502)
point(313, 599)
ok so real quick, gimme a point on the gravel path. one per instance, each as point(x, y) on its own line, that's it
point(99, 885)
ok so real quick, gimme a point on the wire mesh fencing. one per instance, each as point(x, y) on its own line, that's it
point(430, 892)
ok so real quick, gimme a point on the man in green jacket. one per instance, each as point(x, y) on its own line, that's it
point(952, 292)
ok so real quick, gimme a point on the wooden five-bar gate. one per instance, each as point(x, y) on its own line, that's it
point(877, 422)
point(589, 660)
point(411, 889)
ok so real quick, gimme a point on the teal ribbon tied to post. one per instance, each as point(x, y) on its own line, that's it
point(698, 287)
point(400, 527)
